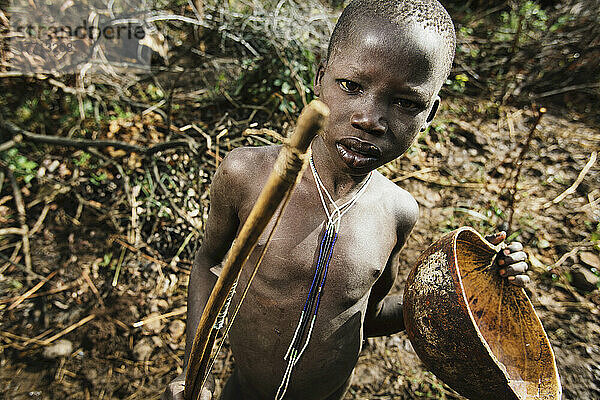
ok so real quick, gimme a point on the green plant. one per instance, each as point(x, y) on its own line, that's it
point(106, 259)
point(595, 235)
point(97, 179)
point(82, 160)
point(19, 164)
point(459, 83)
point(528, 21)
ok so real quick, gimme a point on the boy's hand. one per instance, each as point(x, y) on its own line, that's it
point(512, 260)
point(175, 389)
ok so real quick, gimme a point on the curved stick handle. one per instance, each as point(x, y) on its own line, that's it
point(286, 172)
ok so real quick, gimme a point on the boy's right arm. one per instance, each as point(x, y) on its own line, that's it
point(220, 230)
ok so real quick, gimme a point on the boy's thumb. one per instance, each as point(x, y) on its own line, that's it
point(496, 238)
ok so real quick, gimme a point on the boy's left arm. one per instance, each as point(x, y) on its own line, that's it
point(384, 313)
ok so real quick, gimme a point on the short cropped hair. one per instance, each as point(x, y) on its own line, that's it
point(429, 13)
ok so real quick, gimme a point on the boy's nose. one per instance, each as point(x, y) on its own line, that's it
point(371, 122)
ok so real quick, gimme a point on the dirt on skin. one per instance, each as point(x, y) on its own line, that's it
point(459, 173)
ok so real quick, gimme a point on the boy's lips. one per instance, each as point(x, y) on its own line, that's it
point(357, 153)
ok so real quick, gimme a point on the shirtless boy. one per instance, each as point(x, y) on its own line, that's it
point(386, 63)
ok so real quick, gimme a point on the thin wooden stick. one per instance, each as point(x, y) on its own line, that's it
point(412, 174)
point(90, 283)
point(118, 269)
point(31, 291)
point(173, 313)
point(38, 224)
point(37, 339)
point(5, 198)
point(522, 153)
point(11, 143)
point(286, 171)
point(22, 218)
point(11, 231)
point(246, 289)
point(69, 329)
point(23, 135)
point(33, 231)
point(45, 293)
point(13, 259)
point(577, 182)
point(24, 339)
point(136, 250)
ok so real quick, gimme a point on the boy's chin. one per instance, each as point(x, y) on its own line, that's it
point(357, 161)
point(360, 170)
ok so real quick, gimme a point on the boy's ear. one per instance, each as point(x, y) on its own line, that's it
point(434, 109)
point(318, 79)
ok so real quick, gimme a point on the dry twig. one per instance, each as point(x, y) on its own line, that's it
point(31, 291)
point(76, 325)
point(86, 143)
point(22, 218)
point(89, 281)
point(179, 311)
point(11, 143)
point(44, 293)
point(519, 160)
point(573, 187)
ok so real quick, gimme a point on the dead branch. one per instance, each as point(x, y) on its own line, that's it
point(11, 231)
point(519, 160)
point(11, 143)
point(44, 293)
point(69, 329)
point(22, 218)
point(179, 311)
point(577, 182)
point(86, 143)
point(31, 291)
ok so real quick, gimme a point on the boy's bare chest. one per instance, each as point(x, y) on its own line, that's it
point(364, 242)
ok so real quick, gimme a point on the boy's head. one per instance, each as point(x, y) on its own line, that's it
point(386, 63)
point(428, 13)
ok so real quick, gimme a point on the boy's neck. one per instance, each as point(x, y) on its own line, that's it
point(338, 183)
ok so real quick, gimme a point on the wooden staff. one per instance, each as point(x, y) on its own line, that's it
point(286, 172)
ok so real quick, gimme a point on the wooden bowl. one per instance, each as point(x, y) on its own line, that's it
point(474, 330)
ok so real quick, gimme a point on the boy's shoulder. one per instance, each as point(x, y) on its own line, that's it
point(246, 159)
point(244, 169)
point(247, 164)
point(398, 202)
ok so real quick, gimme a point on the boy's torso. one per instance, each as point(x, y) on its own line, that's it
point(265, 325)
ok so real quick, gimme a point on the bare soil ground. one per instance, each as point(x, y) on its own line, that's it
point(459, 173)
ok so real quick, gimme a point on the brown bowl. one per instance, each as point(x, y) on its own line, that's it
point(474, 330)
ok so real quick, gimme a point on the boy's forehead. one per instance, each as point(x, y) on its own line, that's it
point(388, 43)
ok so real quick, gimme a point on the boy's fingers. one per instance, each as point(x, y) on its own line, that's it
point(512, 258)
point(519, 280)
point(515, 246)
point(516, 269)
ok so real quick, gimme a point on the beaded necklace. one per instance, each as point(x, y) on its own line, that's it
point(311, 305)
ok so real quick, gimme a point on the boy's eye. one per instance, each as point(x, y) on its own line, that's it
point(349, 86)
point(409, 104)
